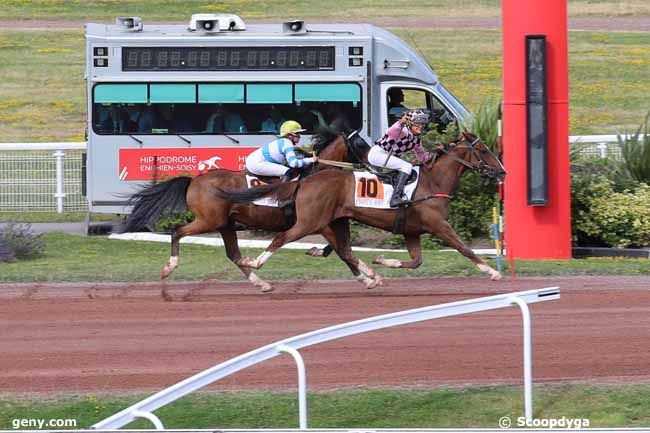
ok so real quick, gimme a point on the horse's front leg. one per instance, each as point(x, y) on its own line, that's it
point(257, 263)
point(415, 251)
point(446, 233)
point(338, 236)
point(317, 252)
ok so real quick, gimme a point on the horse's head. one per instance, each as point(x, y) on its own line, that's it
point(334, 145)
point(358, 148)
point(322, 139)
point(475, 155)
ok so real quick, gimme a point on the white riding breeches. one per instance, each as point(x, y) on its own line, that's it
point(257, 164)
point(379, 157)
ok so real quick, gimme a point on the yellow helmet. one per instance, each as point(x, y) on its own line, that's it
point(290, 127)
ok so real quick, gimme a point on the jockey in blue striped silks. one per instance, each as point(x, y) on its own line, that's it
point(278, 157)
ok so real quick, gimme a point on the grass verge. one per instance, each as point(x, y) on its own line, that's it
point(70, 258)
point(603, 406)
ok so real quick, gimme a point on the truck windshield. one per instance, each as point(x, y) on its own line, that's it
point(457, 106)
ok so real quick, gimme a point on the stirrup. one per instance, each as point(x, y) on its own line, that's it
point(399, 202)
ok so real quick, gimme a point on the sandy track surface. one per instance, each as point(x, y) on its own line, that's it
point(111, 337)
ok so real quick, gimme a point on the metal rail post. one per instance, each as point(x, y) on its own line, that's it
point(528, 367)
point(59, 154)
point(302, 383)
point(151, 417)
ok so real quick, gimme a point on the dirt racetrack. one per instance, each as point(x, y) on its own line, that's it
point(109, 337)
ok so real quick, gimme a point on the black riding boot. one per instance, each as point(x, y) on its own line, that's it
point(397, 200)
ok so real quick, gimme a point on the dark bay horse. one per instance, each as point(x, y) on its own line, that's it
point(213, 213)
point(329, 196)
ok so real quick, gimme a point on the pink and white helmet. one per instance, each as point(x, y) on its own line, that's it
point(417, 117)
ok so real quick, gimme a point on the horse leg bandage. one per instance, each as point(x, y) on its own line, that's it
point(494, 274)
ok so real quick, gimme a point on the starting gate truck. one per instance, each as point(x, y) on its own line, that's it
point(167, 100)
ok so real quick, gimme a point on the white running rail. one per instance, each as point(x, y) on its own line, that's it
point(144, 408)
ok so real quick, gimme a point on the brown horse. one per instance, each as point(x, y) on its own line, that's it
point(329, 196)
point(212, 213)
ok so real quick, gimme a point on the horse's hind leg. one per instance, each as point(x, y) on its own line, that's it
point(341, 244)
point(296, 232)
point(447, 234)
point(229, 235)
point(195, 227)
point(415, 251)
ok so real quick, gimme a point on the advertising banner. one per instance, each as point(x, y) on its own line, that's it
point(147, 164)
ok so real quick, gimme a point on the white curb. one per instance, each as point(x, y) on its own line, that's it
point(218, 242)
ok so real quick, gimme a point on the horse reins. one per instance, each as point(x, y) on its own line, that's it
point(460, 161)
point(341, 163)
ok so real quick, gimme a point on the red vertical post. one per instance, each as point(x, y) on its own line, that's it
point(536, 232)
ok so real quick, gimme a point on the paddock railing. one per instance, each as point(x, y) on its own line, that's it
point(597, 145)
point(41, 177)
point(44, 177)
point(144, 409)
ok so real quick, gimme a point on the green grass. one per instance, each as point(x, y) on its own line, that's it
point(608, 79)
point(42, 97)
point(266, 9)
point(70, 258)
point(611, 406)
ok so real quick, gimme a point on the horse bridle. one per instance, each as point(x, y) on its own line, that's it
point(351, 149)
point(482, 167)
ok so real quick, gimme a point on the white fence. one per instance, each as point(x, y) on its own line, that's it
point(43, 177)
point(597, 145)
point(144, 409)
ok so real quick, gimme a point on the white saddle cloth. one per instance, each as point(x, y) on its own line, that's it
point(369, 191)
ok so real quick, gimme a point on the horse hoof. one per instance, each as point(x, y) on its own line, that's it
point(265, 288)
point(245, 262)
point(378, 260)
point(315, 252)
point(495, 276)
point(371, 284)
point(164, 273)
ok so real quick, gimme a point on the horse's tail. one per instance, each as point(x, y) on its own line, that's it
point(154, 201)
point(280, 190)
